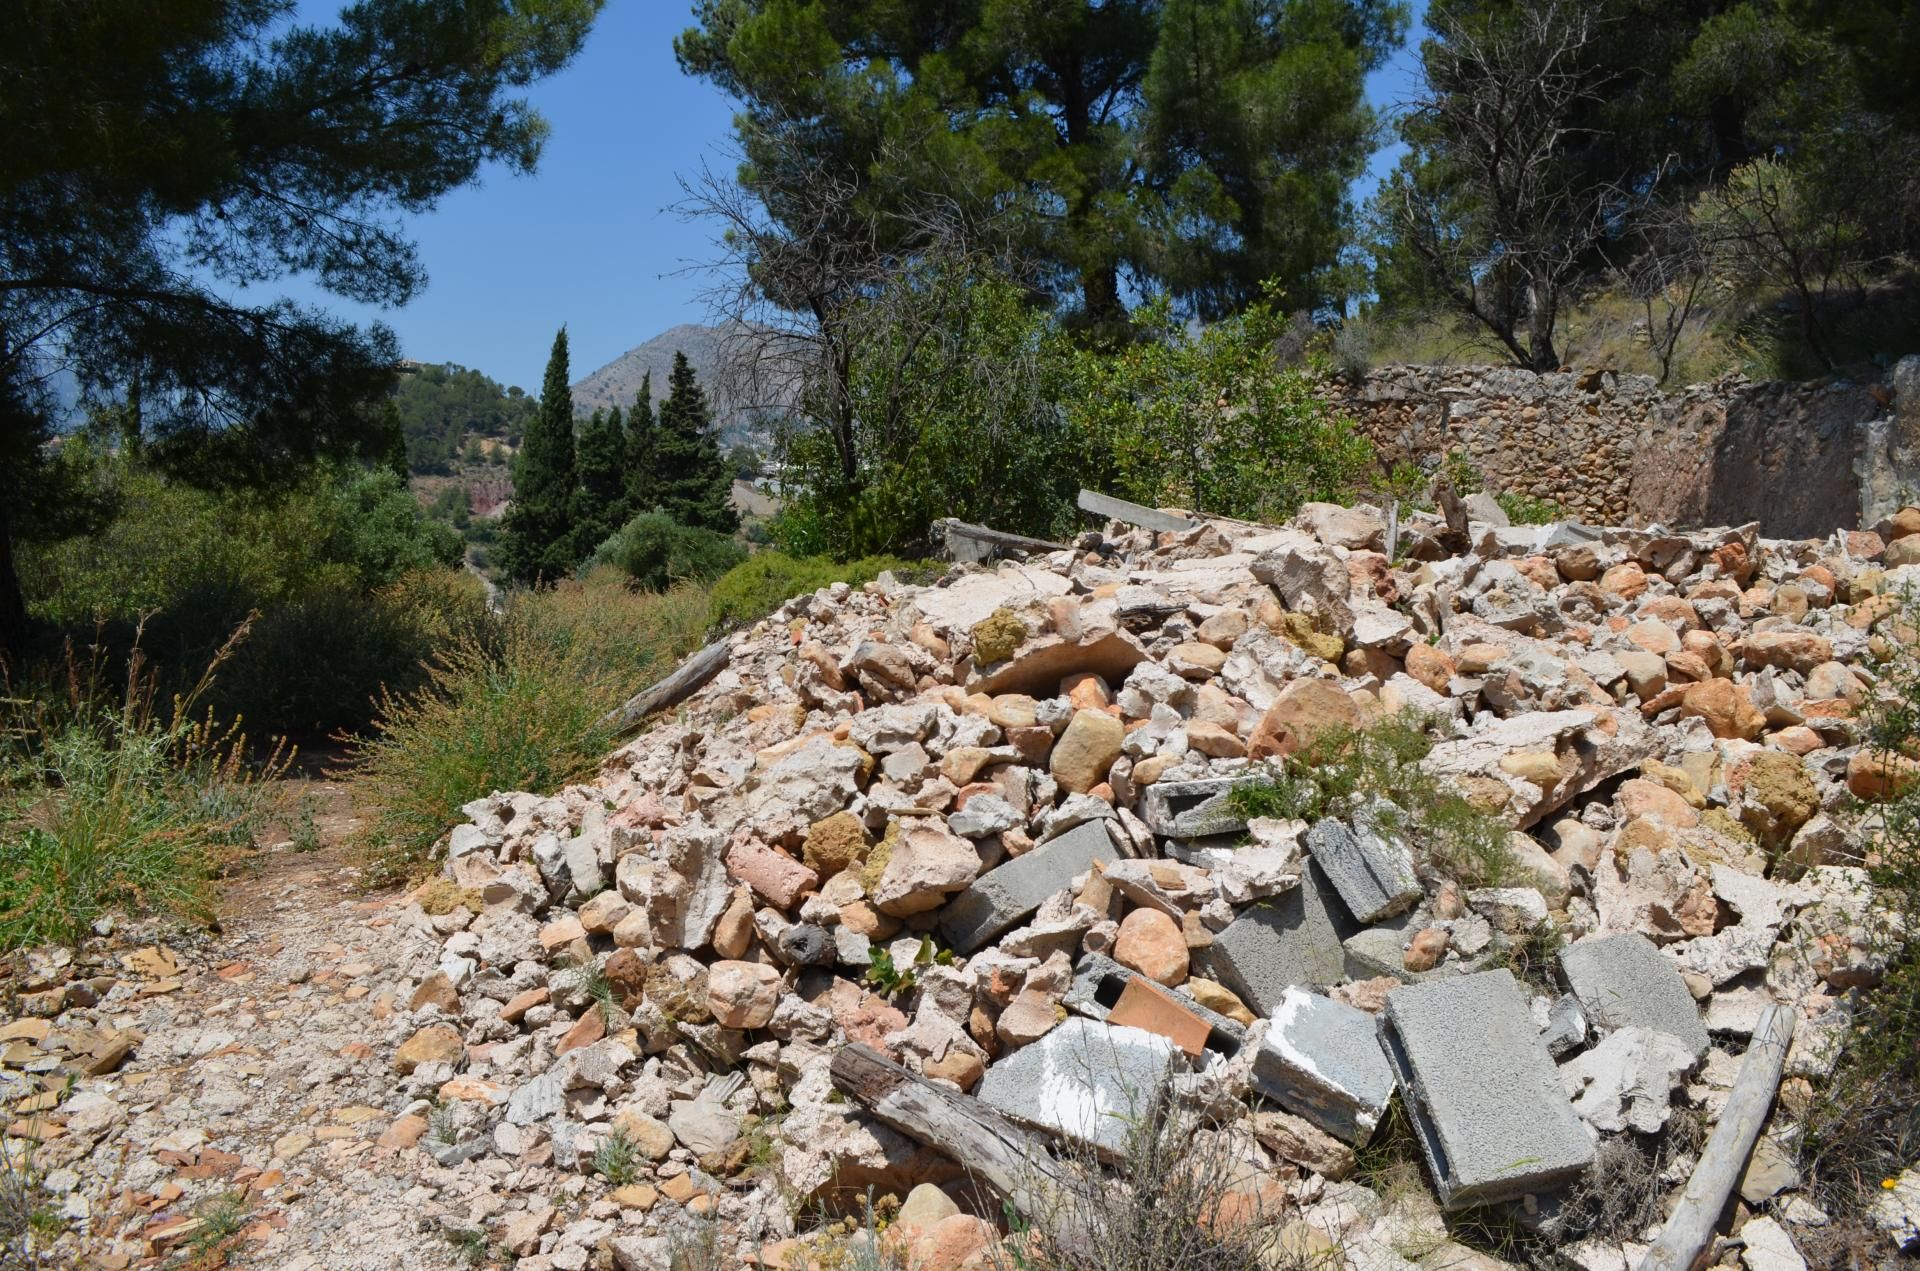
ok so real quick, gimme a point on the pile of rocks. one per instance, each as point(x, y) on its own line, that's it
point(986, 829)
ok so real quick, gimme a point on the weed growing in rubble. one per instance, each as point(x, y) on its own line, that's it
point(111, 797)
point(888, 979)
point(221, 1218)
point(469, 1245)
point(1864, 1124)
point(1531, 957)
point(28, 1224)
point(519, 706)
point(1185, 1193)
point(694, 1245)
point(1340, 769)
point(617, 1158)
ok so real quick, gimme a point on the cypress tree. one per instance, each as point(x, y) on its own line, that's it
point(693, 480)
point(538, 536)
point(641, 485)
point(601, 501)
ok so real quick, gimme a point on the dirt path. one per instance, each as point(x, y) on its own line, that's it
point(255, 1120)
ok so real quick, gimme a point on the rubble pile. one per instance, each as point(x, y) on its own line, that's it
point(988, 829)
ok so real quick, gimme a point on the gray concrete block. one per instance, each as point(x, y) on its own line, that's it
point(1098, 982)
point(1371, 868)
point(1290, 941)
point(1131, 513)
point(1086, 1080)
point(1485, 1100)
point(1001, 898)
point(1190, 809)
point(1322, 1059)
point(1624, 981)
point(1566, 1028)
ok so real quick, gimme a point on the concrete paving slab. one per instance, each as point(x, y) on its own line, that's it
point(1322, 1059)
point(1001, 898)
point(1371, 868)
point(1290, 941)
point(1485, 1100)
point(1086, 1080)
point(1624, 981)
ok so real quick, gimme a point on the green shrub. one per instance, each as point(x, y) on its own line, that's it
point(655, 552)
point(951, 409)
point(766, 580)
point(1525, 509)
point(516, 706)
point(1211, 421)
point(108, 800)
point(318, 663)
point(1342, 768)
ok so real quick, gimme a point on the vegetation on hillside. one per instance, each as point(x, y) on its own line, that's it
point(446, 409)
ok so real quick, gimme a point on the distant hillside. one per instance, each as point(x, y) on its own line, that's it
point(705, 346)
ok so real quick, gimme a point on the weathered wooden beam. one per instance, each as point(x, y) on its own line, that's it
point(967, 542)
point(1007, 1158)
point(1132, 513)
point(1690, 1228)
point(686, 678)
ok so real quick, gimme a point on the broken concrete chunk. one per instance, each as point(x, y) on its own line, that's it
point(1627, 1081)
point(1322, 1059)
point(1190, 809)
point(1000, 898)
point(1086, 1080)
point(1291, 941)
point(1624, 981)
point(1370, 867)
point(1493, 1121)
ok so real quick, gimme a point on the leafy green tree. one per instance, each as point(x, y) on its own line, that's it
point(1766, 226)
point(1254, 126)
point(539, 542)
point(1210, 421)
point(641, 432)
point(602, 505)
point(954, 394)
point(692, 482)
point(655, 551)
point(1113, 124)
point(160, 157)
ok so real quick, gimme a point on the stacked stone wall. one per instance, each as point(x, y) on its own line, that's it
point(1617, 449)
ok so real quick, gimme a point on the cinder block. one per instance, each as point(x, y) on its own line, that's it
point(1370, 868)
point(1190, 809)
point(1322, 1059)
point(1001, 898)
point(1624, 981)
point(1088, 1081)
point(1492, 1119)
point(1099, 983)
point(1290, 941)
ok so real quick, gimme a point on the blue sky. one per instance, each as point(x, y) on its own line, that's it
point(588, 240)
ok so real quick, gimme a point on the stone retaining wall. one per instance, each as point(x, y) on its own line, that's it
point(1616, 449)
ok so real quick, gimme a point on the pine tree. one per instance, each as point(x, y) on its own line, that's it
point(538, 537)
point(693, 480)
point(642, 486)
point(601, 505)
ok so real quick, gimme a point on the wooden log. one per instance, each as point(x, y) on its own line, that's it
point(1131, 513)
point(686, 677)
point(1690, 1229)
point(991, 1148)
point(967, 542)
